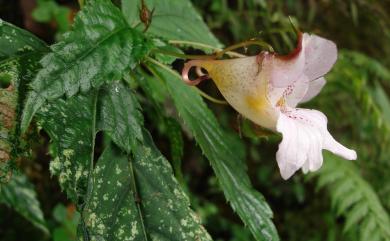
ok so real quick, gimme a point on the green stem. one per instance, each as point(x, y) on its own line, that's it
point(201, 45)
point(244, 44)
point(182, 56)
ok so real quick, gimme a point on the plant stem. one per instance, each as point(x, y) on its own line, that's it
point(183, 56)
point(244, 44)
point(201, 45)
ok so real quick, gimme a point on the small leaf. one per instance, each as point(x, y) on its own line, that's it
point(20, 195)
point(355, 215)
point(99, 49)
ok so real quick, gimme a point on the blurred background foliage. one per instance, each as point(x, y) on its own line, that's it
point(344, 201)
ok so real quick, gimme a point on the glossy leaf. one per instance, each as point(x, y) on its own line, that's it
point(228, 166)
point(98, 50)
point(19, 55)
point(70, 125)
point(17, 43)
point(177, 19)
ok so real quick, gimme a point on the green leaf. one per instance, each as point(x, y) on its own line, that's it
point(176, 144)
point(228, 166)
point(99, 49)
point(111, 212)
point(17, 43)
point(48, 10)
point(105, 194)
point(172, 19)
point(119, 115)
point(358, 203)
point(20, 195)
point(19, 55)
point(139, 199)
point(69, 124)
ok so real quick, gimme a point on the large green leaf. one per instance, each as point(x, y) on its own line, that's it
point(111, 211)
point(138, 198)
point(99, 49)
point(228, 166)
point(105, 194)
point(20, 195)
point(172, 19)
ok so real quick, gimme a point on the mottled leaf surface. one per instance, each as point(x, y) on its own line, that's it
point(17, 43)
point(228, 166)
point(19, 55)
point(172, 19)
point(100, 47)
point(111, 211)
point(165, 206)
point(138, 198)
point(69, 124)
point(107, 195)
point(20, 195)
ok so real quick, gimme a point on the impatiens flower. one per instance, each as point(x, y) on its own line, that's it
point(267, 88)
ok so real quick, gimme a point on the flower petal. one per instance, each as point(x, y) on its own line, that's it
point(320, 55)
point(282, 71)
point(297, 91)
point(304, 136)
point(314, 89)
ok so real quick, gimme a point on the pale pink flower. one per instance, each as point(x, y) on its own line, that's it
point(267, 88)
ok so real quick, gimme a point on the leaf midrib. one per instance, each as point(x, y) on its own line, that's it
point(85, 54)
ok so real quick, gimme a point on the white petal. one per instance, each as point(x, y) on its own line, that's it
point(304, 136)
point(320, 55)
point(314, 89)
point(297, 91)
point(283, 70)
